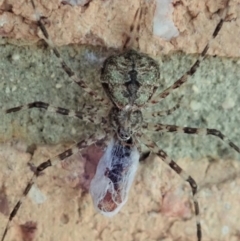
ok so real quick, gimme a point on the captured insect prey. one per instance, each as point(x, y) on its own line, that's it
point(124, 116)
point(114, 176)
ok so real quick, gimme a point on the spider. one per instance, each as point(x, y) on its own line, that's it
point(130, 80)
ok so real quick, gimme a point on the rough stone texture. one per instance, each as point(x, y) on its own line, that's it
point(157, 209)
point(159, 206)
point(106, 23)
point(159, 203)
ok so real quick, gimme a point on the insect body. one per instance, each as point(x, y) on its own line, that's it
point(114, 176)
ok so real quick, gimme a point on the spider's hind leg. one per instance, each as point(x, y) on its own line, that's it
point(71, 74)
point(184, 78)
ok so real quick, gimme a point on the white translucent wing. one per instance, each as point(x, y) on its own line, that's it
point(114, 176)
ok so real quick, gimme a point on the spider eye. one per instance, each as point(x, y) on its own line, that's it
point(123, 135)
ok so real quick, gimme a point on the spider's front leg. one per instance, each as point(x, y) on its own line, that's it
point(174, 166)
point(90, 114)
point(191, 130)
point(44, 165)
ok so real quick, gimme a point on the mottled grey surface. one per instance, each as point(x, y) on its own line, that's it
point(30, 74)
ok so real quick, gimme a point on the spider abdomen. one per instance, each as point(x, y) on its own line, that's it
point(130, 78)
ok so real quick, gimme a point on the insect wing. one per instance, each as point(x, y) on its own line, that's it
point(114, 176)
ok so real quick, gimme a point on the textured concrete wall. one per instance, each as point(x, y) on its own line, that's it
point(106, 23)
point(159, 206)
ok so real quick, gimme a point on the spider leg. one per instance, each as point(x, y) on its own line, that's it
point(44, 165)
point(163, 155)
point(133, 30)
point(95, 118)
point(164, 112)
point(66, 68)
point(193, 69)
point(191, 130)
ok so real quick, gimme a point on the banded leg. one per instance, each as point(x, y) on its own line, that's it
point(44, 165)
point(193, 69)
point(163, 155)
point(191, 130)
point(164, 112)
point(96, 118)
point(65, 67)
point(134, 30)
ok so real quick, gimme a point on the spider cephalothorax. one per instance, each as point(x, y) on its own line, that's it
point(125, 122)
